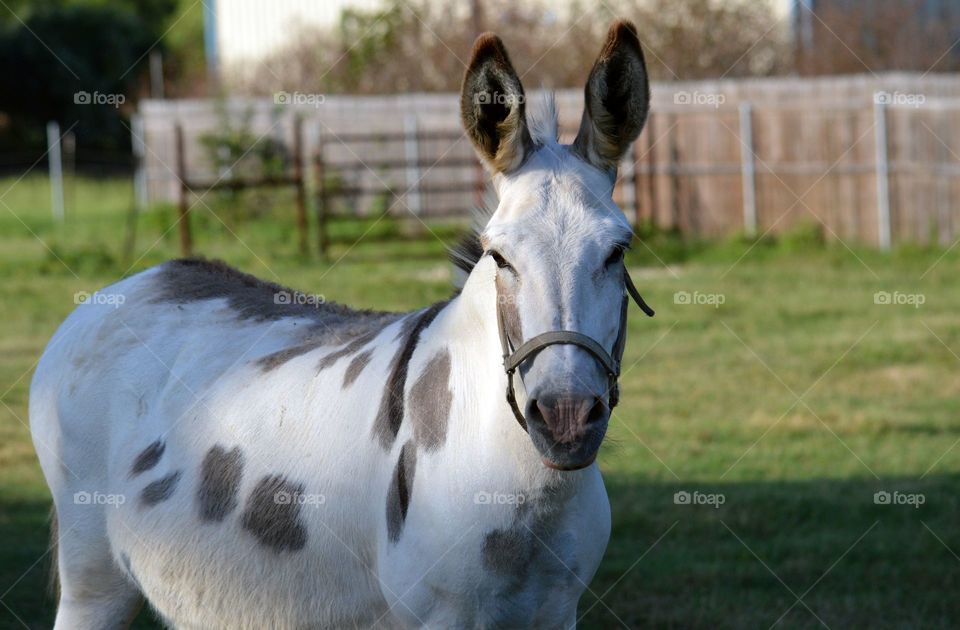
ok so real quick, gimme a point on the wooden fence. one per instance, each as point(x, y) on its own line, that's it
point(880, 166)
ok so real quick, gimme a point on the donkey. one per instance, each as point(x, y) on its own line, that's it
point(241, 455)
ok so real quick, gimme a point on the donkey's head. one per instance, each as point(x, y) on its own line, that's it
point(557, 238)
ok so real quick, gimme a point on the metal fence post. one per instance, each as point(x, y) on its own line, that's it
point(56, 169)
point(748, 169)
point(883, 174)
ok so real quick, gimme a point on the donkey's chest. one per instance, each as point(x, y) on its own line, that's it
point(514, 565)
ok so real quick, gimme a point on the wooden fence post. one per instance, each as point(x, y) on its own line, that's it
point(944, 223)
point(673, 168)
point(186, 240)
point(637, 192)
point(748, 169)
point(322, 198)
point(479, 182)
point(137, 140)
point(652, 169)
point(627, 178)
point(883, 174)
point(300, 183)
point(411, 151)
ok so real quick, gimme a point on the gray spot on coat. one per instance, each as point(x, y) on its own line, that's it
point(407, 325)
point(356, 367)
point(401, 488)
point(354, 346)
point(148, 458)
point(390, 414)
point(272, 514)
point(278, 358)
point(331, 338)
point(220, 476)
point(508, 551)
point(532, 540)
point(430, 399)
point(160, 490)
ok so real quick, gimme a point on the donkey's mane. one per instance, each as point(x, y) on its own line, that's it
point(467, 252)
point(187, 280)
point(544, 129)
point(545, 122)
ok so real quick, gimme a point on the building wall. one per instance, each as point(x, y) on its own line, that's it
point(248, 30)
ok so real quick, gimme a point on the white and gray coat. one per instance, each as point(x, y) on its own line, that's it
point(241, 456)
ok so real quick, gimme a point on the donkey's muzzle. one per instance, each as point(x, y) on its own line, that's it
point(567, 430)
point(567, 419)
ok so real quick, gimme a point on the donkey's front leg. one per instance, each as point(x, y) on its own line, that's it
point(95, 593)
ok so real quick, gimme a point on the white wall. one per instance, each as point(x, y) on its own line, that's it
point(247, 30)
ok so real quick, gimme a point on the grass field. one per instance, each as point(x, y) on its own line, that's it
point(793, 402)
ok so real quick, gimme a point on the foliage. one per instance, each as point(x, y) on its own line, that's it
point(374, 50)
point(61, 51)
point(237, 153)
point(883, 35)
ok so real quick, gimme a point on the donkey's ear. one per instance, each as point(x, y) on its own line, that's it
point(492, 106)
point(617, 99)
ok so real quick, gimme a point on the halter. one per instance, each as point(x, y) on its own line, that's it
point(512, 358)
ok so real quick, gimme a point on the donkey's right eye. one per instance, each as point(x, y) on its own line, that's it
point(500, 260)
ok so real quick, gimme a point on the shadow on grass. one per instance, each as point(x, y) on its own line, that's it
point(850, 561)
point(25, 565)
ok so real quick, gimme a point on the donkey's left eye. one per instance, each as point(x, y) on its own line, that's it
point(500, 260)
point(615, 256)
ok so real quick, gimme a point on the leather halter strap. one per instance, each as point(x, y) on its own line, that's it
point(512, 358)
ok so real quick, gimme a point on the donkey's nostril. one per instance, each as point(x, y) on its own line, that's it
point(598, 412)
point(534, 413)
point(567, 418)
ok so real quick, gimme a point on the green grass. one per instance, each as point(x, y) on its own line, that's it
point(710, 404)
